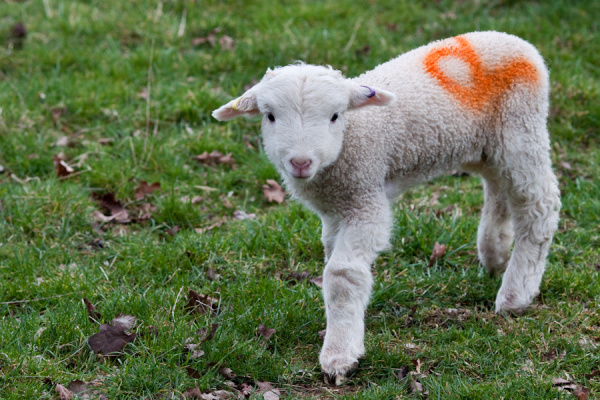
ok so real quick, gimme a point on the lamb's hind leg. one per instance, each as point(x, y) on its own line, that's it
point(495, 233)
point(534, 203)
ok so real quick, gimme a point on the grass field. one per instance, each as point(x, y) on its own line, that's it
point(97, 97)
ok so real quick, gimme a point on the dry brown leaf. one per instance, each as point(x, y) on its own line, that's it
point(227, 43)
point(172, 231)
point(317, 281)
point(268, 391)
point(439, 250)
point(145, 211)
point(63, 392)
point(593, 374)
point(226, 372)
point(273, 191)
point(403, 372)
point(296, 277)
point(145, 189)
point(93, 315)
point(241, 215)
point(322, 334)
point(193, 373)
point(111, 340)
point(62, 168)
point(192, 393)
point(206, 334)
point(265, 332)
point(215, 158)
point(194, 349)
point(63, 141)
point(582, 393)
point(116, 209)
point(200, 304)
point(417, 388)
point(124, 321)
point(143, 93)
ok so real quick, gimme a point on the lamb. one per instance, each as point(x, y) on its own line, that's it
point(477, 102)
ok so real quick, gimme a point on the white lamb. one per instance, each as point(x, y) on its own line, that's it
point(476, 102)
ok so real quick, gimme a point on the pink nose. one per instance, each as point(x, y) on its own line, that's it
point(301, 163)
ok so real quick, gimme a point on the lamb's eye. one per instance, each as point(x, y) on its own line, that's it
point(271, 117)
point(335, 117)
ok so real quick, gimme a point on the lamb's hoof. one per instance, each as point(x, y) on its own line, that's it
point(337, 369)
point(334, 380)
point(508, 302)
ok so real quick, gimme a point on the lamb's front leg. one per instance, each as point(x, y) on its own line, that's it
point(347, 283)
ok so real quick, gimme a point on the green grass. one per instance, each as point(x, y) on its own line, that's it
point(81, 73)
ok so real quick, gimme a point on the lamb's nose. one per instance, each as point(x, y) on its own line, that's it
point(301, 163)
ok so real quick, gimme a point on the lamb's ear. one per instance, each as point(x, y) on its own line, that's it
point(245, 105)
point(361, 96)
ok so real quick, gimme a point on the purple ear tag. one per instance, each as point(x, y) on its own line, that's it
point(372, 94)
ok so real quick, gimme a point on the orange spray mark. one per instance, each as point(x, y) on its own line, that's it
point(486, 84)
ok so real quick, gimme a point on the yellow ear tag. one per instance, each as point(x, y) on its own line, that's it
point(235, 103)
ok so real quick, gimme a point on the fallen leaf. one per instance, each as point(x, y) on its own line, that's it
point(19, 31)
point(322, 334)
point(403, 373)
point(317, 281)
point(417, 388)
point(63, 392)
point(296, 277)
point(581, 393)
point(195, 350)
point(210, 38)
point(57, 112)
point(417, 363)
point(226, 42)
point(215, 158)
point(207, 335)
point(273, 191)
point(192, 393)
point(438, 252)
point(265, 332)
point(200, 304)
point(363, 51)
point(209, 227)
point(193, 200)
point(62, 168)
point(116, 209)
point(267, 390)
point(143, 93)
point(391, 26)
point(566, 165)
point(172, 231)
point(124, 321)
point(145, 211)
point(193, 373)
point(18, 34)
point(111, 340)
point(246, 389)
point(226, 372)
point(145, 189)
point(93, 315)
point(85, 390)
point(239, 214)
point(63, 141)
point(212, 275)
point(592, 374)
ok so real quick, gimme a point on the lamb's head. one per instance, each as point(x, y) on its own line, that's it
point(303, 110)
